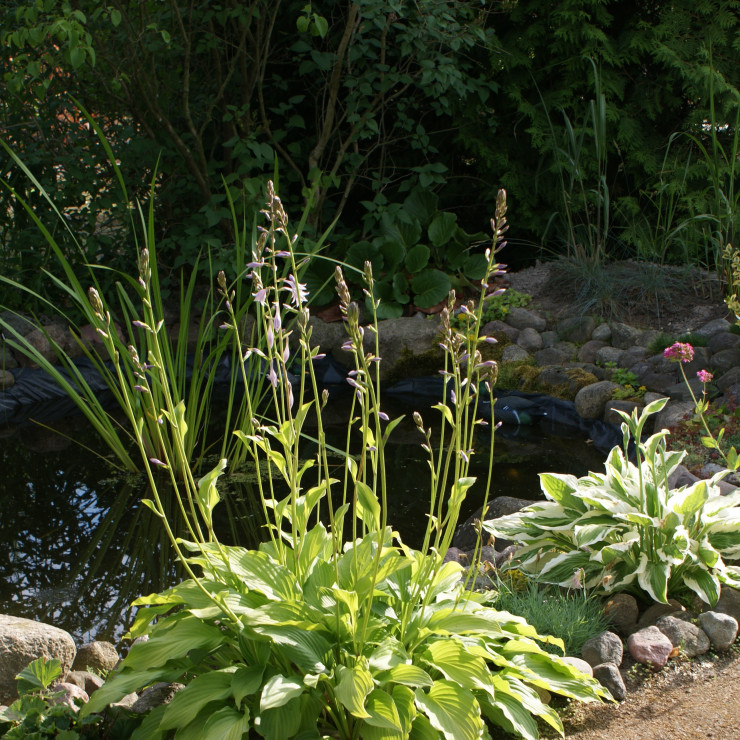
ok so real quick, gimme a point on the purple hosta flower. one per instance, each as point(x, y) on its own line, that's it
point(141, 389)
point(453, 397)
point(255, 265)
point(282, 253)
point(261, 296)
point(297, 291)
point(157, 461)
point(290, 395)
point(225, 326)
point(382, 415)
point(277, 322)
point(286, 353)
point(270, 337)
point(705, 376)
point(272, 375)
point(679, 352)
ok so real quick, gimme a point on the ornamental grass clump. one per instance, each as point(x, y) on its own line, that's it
point(626, 529)
point(333, 627)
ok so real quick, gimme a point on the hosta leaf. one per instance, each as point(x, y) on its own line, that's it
point(207, 492)
point(707, 554)
point(282, 722)
point(430, 286)
point(457, 664)
point(279, 690)
point(353, 687)
point(508, 713)
point(226, 724)
point(560, 488)
point(246, 681)
point(308, 649)
point(704, 583)
point(417, 258)
point(452, 710)
point(368, 508)
point(382, 711)
point(260, 572)
point(203, 689)
point(410, 675)
point(563, 567)
point(690, 500)
point(653, 578)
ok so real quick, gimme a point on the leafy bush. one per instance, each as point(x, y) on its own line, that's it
point(333, 626)
point(663, 341)
point(36, 714)
point(626, 530)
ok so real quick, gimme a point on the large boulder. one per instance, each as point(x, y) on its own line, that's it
point(23, 641)
point(99, 656)
point(521, 318)
point(591, 400)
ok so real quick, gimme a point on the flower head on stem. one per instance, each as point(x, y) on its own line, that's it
point(679, 352)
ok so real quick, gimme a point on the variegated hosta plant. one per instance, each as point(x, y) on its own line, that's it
point(626, 529)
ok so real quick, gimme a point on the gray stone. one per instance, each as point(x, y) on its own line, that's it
point(632, 356)
point(604, 648)
point(591, 400)
point(88, 682)
point(7, 358)
point(521, 318)
point(726, 359)
point(608, 354)
point(658, 382)
point(661, 364)
point(623, 335)
point(549, 338)
point(729, 603)
point(680, 391)
point(44, 341)
point(602, 333)
point(610, 412)
point(127, 701)
point(701, 361)
point(723, 340)
point(514, 353)
point(587, 353)
point(553, 375)
point(622, 611)
point(69, 694)
point(551, 356)
point(579, 664)
point(721, 629)
point(155, 696)
point(577, 329)
point(684, 635)
point(499, 327)
point(529, 339)
point(713, 327)
point(21, 324)
point(673, 413)
point(23, 641)
point(657, 610)
point(728, 379)
point(568, 348)
point(650, 647)
point(650, 396)
point(608, 675)
point(648, 337)
point(99, 656)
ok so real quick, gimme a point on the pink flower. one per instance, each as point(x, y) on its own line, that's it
point(679, 352)
point(705, 376)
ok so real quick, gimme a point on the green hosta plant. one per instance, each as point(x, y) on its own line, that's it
point(333, 627)
point(626, 529)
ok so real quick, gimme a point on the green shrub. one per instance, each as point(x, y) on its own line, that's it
point(663, 341)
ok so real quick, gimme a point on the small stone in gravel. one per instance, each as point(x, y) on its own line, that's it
point(604, 648)
point(650, 646)
point(622, 611)
point(721, 629)
point(608, 675)
point(581, 665)
point(684, 635)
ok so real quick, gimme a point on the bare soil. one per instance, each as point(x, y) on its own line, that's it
point(689, 699)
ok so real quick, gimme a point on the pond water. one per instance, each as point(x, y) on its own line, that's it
point(77, 546)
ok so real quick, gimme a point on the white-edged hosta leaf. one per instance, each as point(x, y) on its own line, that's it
point(452, 710)
point(353, 686)
point(690, 500)
point(653, 578)
point(703, 583)
point(559, 488)
point(707, 554)
point(562, 568)
point(279, 690)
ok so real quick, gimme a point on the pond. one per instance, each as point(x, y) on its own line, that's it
point(77, 546)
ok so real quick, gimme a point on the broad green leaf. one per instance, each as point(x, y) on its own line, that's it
point(38, 675)
point(410, 675)
point(226, 724)
point(282, 722)
point(213, 686)
point(417, 258)
point(690, 500)
point(308, 649)
point(508, 713)
point(279, 690)
point(245, 681)
point(124, 682)
point(207, 492)
point(475, 266)
point(430, 287)
point(653, 578)
point(368, 508)
point(560, 488)
point(458, 664)
point(260, 572)
point(382, 711)
point(442, 228)
point(353, 687)
point(452, 710)
point(704, 583)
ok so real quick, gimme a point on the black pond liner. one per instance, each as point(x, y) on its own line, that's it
point(36, 396)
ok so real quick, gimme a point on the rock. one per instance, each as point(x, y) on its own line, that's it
point(729, 603)
point(499, 327)
point(7, 379)
point(631, 357)
point(577, 329)
point(650, 396)
point(721, 629)
point(680, 392)
point(521, 318)
point(610, 412)
point(529, 339)
point(648, 337)
point(622, 611)
point(713, 327)
point(66, 693)
point(44, 340)
point(650, 647)
point(657, 610)
point(684, 635)
point(549, 338)
point(726, 359)
point(514, 353)
point(608, 354)
point(88, 682)
point(18, 323)
point(602, 333)
point(623, 335)
point(156, 695)
point(588, 351)
point(728, 379)
point(455, 555)
point(604, 648)
point(127, 701)
point(661, 364)
point(465, 535)
point(403, 339)
point(710, 469)
point(591, 400)
point(608, 675)
point(98, 656)
point(657, 382)
point(581, 665)
point(723, 340)
point(551, 356)
point(23, 641)
point(701, 361)
point(673, 413)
